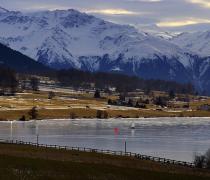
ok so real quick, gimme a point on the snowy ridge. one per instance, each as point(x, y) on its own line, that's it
point(2, 10)
point(198, 42)
point(80, 34)
point(71, 39)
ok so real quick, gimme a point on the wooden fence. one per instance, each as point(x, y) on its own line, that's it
point(108, 152)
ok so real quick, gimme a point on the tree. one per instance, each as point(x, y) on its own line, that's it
point(171, 94)
point(161, 101)
point(99, 114)
point(51, 95)
point(72, 115)
point(33, 113)
point(137, 104)
point(146, 101)
point(199, 161)
point(130, 102)
point(97, 94)
point(122, 96)
point(106, 115)
point(207, 155)
point(110, 102)
point(34, 82)
point(147, 91)
point(8, 81)
point(23, 84)
point(23, 118)
point(202, 161)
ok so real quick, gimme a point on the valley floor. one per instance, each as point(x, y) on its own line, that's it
point(27, 162)
point(68, 104)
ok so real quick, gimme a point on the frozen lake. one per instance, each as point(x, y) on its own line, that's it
point(173, 138)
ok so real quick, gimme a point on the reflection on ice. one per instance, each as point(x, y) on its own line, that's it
point(175, 138)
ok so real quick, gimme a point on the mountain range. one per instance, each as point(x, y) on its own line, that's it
point(71, 39)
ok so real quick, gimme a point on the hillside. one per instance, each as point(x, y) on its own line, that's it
point(20, 62)
point(26, 162)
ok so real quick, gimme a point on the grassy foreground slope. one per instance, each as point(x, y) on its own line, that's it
point(26, 162)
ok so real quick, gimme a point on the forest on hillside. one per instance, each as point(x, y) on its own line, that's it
point(123, 83)
point(10, 81)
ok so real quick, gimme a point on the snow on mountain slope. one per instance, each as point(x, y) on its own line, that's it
point(156, 31)
point(68, 38)
point(197, 42)
point(67, 35)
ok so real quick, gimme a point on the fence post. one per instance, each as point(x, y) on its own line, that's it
point(122, 153)
point(125, 146)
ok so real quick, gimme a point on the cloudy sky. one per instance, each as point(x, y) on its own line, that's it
point(173, 15)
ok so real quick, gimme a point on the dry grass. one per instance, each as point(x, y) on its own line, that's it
point(82, 105)
point(118, 167)
point(91, 113)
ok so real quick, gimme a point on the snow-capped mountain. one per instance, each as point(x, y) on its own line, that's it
point(71, 39)
point(198, 42)
point(66, 36)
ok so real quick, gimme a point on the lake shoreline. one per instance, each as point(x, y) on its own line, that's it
point(91, 113)
point(107, 119)
point(149, 136)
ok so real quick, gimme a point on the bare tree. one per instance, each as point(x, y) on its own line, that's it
point(33, 113)
point(208, 159)
point(199, 161)
point(202, 161)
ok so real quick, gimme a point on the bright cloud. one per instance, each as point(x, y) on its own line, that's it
point(168, 14)
point(204, 3)
point(113, 12)
point(41, 7)
point(145, 0)
point(182, 23)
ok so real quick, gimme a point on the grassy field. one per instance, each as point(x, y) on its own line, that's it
point(82, 105)
point(29, 163)
point(91, 113)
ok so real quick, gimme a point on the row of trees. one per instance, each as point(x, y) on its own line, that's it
point(10, 82)
point(123, 83)
point(33, 114)
point(130, 103)
point(159, 101)
point(80, 79)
